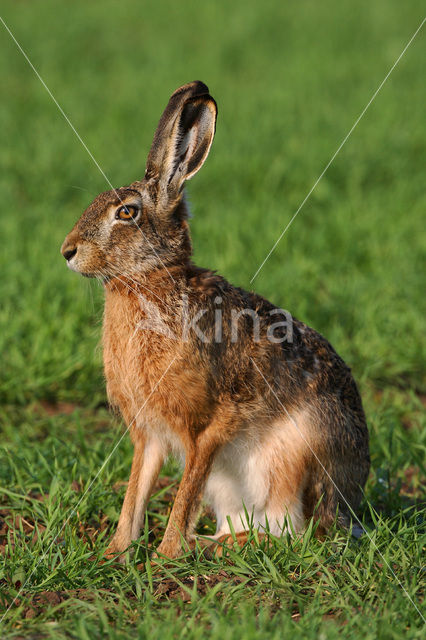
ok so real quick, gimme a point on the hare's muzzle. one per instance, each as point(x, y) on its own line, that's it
point(69, 250)
point(80, 256)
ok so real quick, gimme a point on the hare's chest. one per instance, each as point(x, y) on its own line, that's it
point(125, 350)
point(154, 379)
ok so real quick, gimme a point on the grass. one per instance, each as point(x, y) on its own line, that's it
point(290, 80)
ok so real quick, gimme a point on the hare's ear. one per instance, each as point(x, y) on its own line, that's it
point(183, 139)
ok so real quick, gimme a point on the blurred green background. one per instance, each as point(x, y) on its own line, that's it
point(290, 79)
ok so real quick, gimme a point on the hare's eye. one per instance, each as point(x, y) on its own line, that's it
point(126, 212)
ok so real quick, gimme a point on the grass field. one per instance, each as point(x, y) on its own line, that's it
point(290, 80)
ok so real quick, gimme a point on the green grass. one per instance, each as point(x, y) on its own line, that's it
point(290, 80)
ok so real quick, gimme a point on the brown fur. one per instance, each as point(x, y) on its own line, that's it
point(279, 425)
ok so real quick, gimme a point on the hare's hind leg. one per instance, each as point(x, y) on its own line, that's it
point(289, 455)
point(148, 459)
point(340, 466)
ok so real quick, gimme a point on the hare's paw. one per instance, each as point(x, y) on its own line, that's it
point(111, 554)
point(170, 549)
point(116, 549)
point(217, 548)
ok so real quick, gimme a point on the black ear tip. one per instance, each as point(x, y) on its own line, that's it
point(200, 87)
point(195, 88)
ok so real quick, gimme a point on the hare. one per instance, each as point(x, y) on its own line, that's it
point(263, 413)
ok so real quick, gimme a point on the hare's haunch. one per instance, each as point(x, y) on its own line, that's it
point(263, 413)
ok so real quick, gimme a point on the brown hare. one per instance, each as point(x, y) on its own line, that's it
point(263, 413)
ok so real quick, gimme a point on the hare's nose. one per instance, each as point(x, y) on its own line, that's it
point(69, 252)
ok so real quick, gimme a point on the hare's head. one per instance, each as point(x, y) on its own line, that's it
point(143, 226)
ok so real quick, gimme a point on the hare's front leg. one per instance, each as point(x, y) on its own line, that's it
point(148, 459)
point(188, 498)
